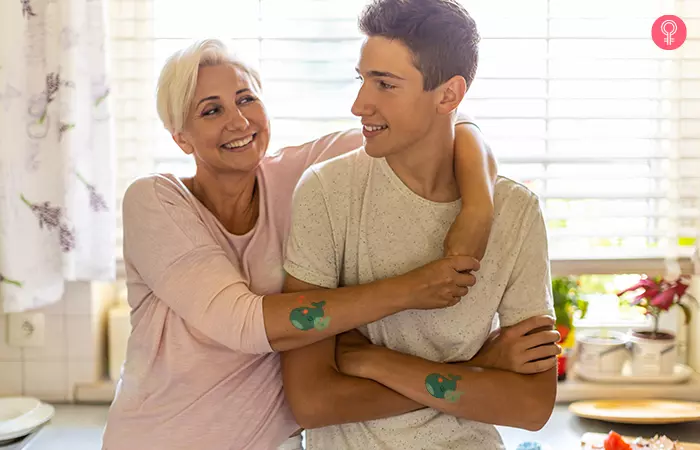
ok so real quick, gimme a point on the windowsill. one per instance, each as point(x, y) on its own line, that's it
point(574, 389)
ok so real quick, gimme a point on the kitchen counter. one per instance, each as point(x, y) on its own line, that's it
point(79, 427)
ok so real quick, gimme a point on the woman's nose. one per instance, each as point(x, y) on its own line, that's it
point(237, 120)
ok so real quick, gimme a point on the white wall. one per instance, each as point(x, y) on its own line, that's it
point(73, 350)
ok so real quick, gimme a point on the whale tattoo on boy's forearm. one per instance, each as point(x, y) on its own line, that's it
point(443, 387)
point(311, 317)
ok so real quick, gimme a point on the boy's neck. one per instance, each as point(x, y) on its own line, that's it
point(427, 166)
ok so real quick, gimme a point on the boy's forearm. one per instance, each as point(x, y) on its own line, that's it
point(347, 399)
point(489, 396)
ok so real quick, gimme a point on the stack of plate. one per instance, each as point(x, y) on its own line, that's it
point(20, 416)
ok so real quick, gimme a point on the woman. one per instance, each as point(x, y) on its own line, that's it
point(204, 257)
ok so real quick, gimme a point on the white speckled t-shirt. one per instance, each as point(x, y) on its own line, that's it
point(354, 221)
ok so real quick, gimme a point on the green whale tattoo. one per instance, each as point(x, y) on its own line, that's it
point(440, 386)
point(306, 318)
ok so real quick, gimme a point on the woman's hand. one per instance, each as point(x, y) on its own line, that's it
point(351, 351)
point(528, 347)
point(439, 284)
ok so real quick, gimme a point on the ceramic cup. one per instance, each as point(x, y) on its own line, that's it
point(603, 355)
point(652, 357)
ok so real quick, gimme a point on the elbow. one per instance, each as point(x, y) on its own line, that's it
point(311, 412)
point(539, 408)
point(537, 421)
point(312, 407)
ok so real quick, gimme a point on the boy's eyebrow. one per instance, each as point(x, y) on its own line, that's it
point(378, 73)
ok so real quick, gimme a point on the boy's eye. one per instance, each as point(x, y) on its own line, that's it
point(385, 85)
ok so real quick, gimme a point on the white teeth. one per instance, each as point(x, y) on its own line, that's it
point(239, 143)
point(375, 128)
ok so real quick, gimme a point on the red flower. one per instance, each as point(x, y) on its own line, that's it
point(651, 289)
point(664, 300)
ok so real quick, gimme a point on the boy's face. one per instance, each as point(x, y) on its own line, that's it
point(396, 112)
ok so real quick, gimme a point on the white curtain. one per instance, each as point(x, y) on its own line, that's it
point(57, 164)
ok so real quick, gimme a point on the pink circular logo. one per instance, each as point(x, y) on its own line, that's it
point(669, 32)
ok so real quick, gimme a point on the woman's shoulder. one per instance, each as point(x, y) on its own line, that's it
point(158, 189)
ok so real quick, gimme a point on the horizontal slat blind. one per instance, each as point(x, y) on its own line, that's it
point(574, 97)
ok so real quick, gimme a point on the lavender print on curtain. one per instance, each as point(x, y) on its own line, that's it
point(57, 163)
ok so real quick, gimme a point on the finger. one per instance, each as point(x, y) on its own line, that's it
point(540, 366)
point(543, 352)
point(460, 292)
point(540, 338)
point(462, 263)
point(528, 326)
point(465, 279)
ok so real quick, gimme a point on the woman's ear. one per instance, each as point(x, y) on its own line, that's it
point(452, 93)
point(183, 143)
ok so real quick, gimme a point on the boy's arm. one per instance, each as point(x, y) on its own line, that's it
point(476, 171)
point(483, 395)
point(320, 395)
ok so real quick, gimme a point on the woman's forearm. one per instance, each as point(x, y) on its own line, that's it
point(298, 319)
point(476, 173)
point(475, 167)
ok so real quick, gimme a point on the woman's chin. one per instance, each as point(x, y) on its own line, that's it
point(243, 161)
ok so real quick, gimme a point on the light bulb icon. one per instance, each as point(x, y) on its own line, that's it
point(669, 28)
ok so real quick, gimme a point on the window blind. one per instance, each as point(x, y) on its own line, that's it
point(575, 99)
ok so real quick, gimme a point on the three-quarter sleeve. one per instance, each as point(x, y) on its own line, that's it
point(170, 247)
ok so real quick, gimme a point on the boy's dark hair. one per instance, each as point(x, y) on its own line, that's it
point(440, 33)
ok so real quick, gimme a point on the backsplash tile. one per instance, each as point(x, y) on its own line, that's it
point(7, 353)
point(81, 341)
point(10, 378)
point(47, 380)
point(73, 350)
point(55, 342)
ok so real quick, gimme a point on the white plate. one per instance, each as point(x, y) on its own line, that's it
point(681, 373)
point(19, 416)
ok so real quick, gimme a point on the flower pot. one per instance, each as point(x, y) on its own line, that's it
point(602, 354)
point(652, 354)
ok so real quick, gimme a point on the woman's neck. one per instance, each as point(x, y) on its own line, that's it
point(233, 198)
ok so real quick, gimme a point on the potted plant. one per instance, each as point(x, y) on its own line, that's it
point(567, 304)
point(653, 351)
point(597, 352)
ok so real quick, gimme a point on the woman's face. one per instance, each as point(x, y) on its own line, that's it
point(227, 129)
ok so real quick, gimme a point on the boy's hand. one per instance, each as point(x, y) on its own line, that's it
point(527, 347)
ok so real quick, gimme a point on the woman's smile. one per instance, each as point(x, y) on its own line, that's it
point(239, 145)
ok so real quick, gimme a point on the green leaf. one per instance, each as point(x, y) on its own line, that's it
point(582, 306)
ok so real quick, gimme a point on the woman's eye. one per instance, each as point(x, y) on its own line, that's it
point(210, 112)
point(246, 99)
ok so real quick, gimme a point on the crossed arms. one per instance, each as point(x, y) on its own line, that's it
point(379, 383)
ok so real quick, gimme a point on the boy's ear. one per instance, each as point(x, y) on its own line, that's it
point(452, 93)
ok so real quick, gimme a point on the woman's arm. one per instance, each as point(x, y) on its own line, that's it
point(476, 171)
point(168, 248)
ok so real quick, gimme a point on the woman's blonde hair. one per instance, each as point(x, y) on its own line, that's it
point(178, 79)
